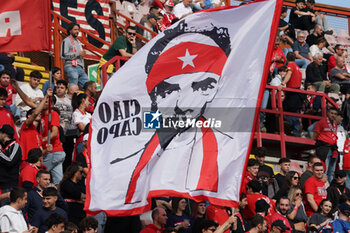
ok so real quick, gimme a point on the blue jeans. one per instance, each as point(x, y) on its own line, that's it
point(302, 63)
point(331, 164)
point(53, 161)
point(286, 51)
point(76, 75)
point(101, 219)
point(264, 102)
point(294, 123)
point(311, 128)
point(347, 182)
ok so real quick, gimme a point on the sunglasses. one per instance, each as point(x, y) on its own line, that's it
point(296, 177)
point(298, 194)
point(132, 33)
point(212, 229)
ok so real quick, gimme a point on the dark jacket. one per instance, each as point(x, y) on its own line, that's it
point(334, 191)
point(35, 202)
point(10, 160)
point(314, 73)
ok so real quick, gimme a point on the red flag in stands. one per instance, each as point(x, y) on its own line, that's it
point(178, 118)
point(24, 25)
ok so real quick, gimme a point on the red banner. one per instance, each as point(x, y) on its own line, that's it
point(24, 25)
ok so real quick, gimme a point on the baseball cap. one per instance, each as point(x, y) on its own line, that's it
point(344, 209)
point(261, 206)
point(7, 129)
point(169, 3)
point(340, 173)
point(280, 223)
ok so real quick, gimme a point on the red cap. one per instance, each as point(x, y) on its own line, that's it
point(186, 57)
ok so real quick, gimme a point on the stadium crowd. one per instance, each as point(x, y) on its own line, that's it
point(44, 162)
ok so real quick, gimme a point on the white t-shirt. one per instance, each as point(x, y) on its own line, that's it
point(180, 10)
point(314, 49)
point(79, 117)
point(12, 220)
point(31, 93)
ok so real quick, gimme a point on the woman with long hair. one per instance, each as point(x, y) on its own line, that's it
point(73, 192)
point(178, 218)
point(292, 180)
point(297, 214)
point(80, 119)
point(199, 213)
point(56, 75)
point(322, 216)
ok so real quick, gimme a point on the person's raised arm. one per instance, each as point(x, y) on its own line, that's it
point(39, 108)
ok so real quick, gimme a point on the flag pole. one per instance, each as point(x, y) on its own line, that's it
point(50, 100)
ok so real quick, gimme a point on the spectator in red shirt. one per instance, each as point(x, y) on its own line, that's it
point(30, 137)
point(339, 51)
point(159, 220)
point(5, 77)
point(90, 89)
point(250, 174)
point(27, 176)
point(254, 189)
point(283, 206)
point(168, 14)
point(53, 160)
point(5, 115)
point(278, 58)
point(293, 101)
point(314, 189)
point(325, 135)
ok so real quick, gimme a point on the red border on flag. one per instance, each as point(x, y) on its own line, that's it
point(216, 201)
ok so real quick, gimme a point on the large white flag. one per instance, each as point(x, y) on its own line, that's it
point(177, 118)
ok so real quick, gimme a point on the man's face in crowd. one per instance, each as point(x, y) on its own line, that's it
point(339, 119)
point(277, 44)
point(301, 38)
point(318, 172)
point(187, 2)
point(2, 101)
point(60, 90)
point(162, 217)
point(243, 203)
point(311, 88)
point(93, 89)
point(340, 180)
point(43, 181)
point(130, 34)
point(34, 82)
point(73, 88)
point(49, 202)
point(318, 30)
point(261, 159)
point(152, 21)
point(58, 228)
point(332, 115)
point(75, 31)
point(340, 62)
point(315, 160)
point(169, 9)
point(339, 51)
point(190, 97)
point(262, 227)
point(22, 201)
point(283, 206)
point(253, 170)
point(285, 166)
point(300, 5)
point(5, 80)
point(318, 60)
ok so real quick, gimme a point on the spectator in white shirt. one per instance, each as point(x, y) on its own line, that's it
point(32, 91)
point(183, 9)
